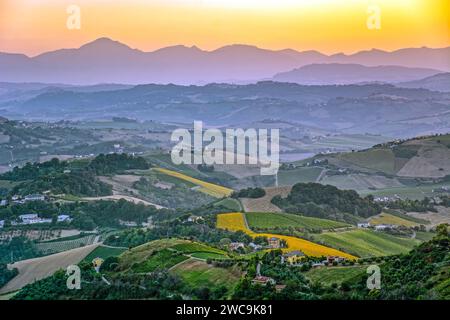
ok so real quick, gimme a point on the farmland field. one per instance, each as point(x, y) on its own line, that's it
point(199, 274)
point(166, 253)
point(59, 246)
point(38, 268)
point(367, 243)
point(291, 177)
point(386, 218)
point(264, 204)
point(229, 203)
point(163, 259)
point(374, 159)
point(235, 222)
point(327, 276)
point(206, 187)
point(193, 247)
point(286, 220)
point(104, 252)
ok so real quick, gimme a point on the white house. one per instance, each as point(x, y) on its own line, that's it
point(3, 203)
point(64, 218)
point(27, 218)
point(2, 223)
point(33, 218)
point(35, 197)
point(236, 245)
point(381, 227)
point(364, 225)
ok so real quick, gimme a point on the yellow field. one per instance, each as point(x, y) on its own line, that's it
point(386, 218)
point(206, 187)
point(235, 222)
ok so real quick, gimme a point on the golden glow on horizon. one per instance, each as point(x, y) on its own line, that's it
point(329, 26)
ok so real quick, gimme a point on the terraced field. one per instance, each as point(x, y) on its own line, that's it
point(367, 243)
point(206, 187)
point(285, 220)
point(236, 222)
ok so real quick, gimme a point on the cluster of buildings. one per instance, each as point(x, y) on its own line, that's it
point(17, 199)
point(377, 227)
point(273, 243)
point(33, 218)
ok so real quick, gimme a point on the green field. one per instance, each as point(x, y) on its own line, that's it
point(229, 203)
point(208, 255)
point(165, 253)
point(375, 159)
point(199, 274)
point(193, 247)
point(425, 236)
point(291, 177)
point(103, 252)
point(407, 192)
point(59, 246)
point(327, 276)
point(163, 259)
point(366, 243)
point(286, 220)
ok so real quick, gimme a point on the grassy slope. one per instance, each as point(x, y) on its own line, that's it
point(286, 220)
point(291, 177)
point(367, 243)
point(104, 252)
point(165, 253)
point(199, 274)
point(328, 276)
point(229, 203)
point(376, 159)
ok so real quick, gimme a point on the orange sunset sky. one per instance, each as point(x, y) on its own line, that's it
point(329, 26)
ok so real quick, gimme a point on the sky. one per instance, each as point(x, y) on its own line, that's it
point(329, 26)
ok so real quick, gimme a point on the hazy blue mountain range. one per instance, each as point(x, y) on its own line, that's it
point(108, 61)
point(370, 108)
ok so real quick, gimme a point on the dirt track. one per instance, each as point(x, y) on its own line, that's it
point(32, 270)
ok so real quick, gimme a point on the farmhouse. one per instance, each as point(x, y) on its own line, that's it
point(3, 203)
point(194, 218)
point(364, 225)
point(274, 243)
point(34, 197)
point(236, 245)
point(255, 246)
point(292, 257)
point(64, 218)
point(381, 227)
point(331, 259)
point(263, 281)
point(33, 218)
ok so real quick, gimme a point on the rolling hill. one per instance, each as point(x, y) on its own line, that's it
point(437, 82)
point(423, 157)
point(335, 73)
